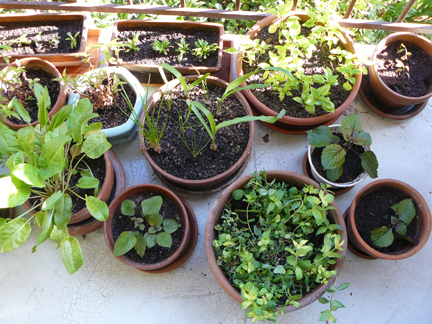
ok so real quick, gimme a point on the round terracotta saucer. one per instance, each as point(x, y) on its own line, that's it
point(91, 224)
point(352, 247)
point(402, 113)
point(307, 172)
point(190, 247)
point(233, 178)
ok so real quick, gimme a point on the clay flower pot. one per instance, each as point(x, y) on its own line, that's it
point(380, 90)
point(423, 227)
point(287, 122)
point(46, 66)
point(173, 26)
point(292, 178)
point(320, 179)
point(103, 195)
point(116, 203)
point(204, 185)
point(122, 133)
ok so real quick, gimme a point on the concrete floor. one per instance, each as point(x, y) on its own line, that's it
point(35, 288)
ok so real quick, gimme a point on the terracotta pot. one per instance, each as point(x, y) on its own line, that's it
point(46, 66)
point(319, 178)
point(186, 26)
point(204, 184)
point(116, 203)
point(423, 227)
point(335, 216)
point(103, 195)
point(380, 90)
point(294, 123)
point(58, 59)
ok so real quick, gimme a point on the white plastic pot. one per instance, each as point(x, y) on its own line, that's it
point(320, 179)
point(127, 131)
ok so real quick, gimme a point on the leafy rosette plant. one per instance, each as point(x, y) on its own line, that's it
point(335, 148)
point(42, 159)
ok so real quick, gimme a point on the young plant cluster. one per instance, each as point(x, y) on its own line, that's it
point(201, 51)
point(277, 244)
point(335, 148)
point(149, 227)
point(23, 40)
point(402, 63)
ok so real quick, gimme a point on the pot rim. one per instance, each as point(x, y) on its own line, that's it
point(214, 215)
point(194, 183)
point(116, 203)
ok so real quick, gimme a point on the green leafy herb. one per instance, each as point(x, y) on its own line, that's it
point(161, 47)
point(203, 49)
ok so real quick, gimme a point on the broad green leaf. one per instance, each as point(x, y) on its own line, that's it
point(97, 208)
point(352, 123)
point(128, 207)
point(382, 236)
point(63, 211)
point(401, 228)
point(334, 174)
point(52, 156)
point(369, 163)
point(343, 286)
point(82, 108)
point(58, 235)
point(237, 194)
point(60, 117)
point(7, 139)
point(155, 220)
point(140, 245)
point(22, 112)
point(151, 206)
point(298, 273)
point(323, 300)
point(164, 239)
point(95, 145)
point(47, 226)
point(333, 156)
point(52, 201)
point(13, 195)
point(279, 269)
point(212, 130)
point(71, 254)
point(25, 137)
point(176, 73)
point(43, 102)
point(29, 174)
point(124, 243)
point(14, 234)
point(362, 138)
point(335, 305)
point(150, 239)
point(170, 225)
point(92, 129)
point(87, 182)
point(320, 136)
point(325, 315)
point(406, 211)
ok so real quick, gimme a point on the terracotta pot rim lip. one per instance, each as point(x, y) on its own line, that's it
point(62, 93)
point(187, 182)
point(217, 207)
point(288, 119)
point(117, 202)
point(378, 49)
point(407, 189)
point(360, 178)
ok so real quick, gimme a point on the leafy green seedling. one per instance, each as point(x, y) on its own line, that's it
point(182, 49)
point(203, 49)
point(161, 47)
point(22, 40)
point(334, 304)
point(131, 44)
point(73, 39)
point(404, 214)
point(55, 40)
point(158, 231)
point(333, 154)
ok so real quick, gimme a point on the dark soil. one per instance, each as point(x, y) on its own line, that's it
point(231, 141)
point(374, 210)
point(418, 82)
point(26, 96)
point(50, 30)
point(169, 210)
point(113, 109)
point(147, 55)
point(352, 167)
point(315, 65)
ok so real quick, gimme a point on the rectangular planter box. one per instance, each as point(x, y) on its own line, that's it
point(58, 59)
point(186, 27)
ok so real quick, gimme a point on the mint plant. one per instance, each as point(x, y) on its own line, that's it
point(268, 248)
point(335, 148)
point(159, 230)
point(161, 47)
point(203, 49)
point(42, 160)
point(404, 214)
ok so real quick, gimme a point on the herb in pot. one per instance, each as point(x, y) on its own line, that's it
point(161, 47)
point(203, 49)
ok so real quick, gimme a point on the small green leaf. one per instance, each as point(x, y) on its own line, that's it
point(128, 207)
point(52, 201)
point(124, 243)
point(170, 225)
point(58, 235)
point(401, 228)
point(334, 174)
point(164, 239)
point(325, 315)
point(155, 220)
point(323, 300)
point(95, 145)
point(151, 206)
point(87, 182)
point(352, 123)
point(298, 273)
point(13, 234)
point(97, 208)
point(406, 211)
point(63, 211)
point(71, 254)
point(333, 156)
point(26, 138)
point(369, 163)
point(343, 286)
point(237, 194)
point(150, 239)
point(362, 138)
point(28, 174)
point(320, 136)
point(335, 305)
point(382, 237)
point(279, 269)
point(140, 245)
point(47, 226)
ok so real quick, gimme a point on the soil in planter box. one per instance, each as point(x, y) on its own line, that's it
point(315, 65)
point(25, 94)
point(147, 55)
point(169, 210)
point(41, 44)
point(115, 111)
point(374, 210)
point(352, 167)
point(418, 82)
point(231, 141)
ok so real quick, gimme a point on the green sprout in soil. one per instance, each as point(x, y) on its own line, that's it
point(72, 39)
point(182, 49)
point(161, 47)
point(402, 63)
point(203, 49)
point(131, 44)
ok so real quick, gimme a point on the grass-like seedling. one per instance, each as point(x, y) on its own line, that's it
point(73, 39)
point(131, 44)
